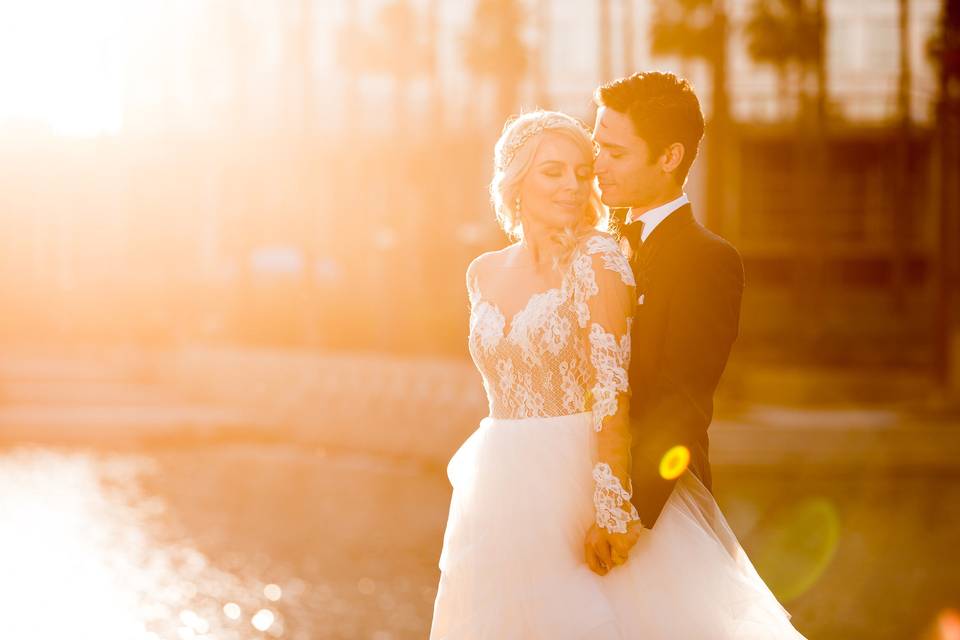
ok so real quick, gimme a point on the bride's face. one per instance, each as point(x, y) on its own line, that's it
point(555, 192)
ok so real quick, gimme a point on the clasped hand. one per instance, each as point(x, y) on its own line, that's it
point(605, 550)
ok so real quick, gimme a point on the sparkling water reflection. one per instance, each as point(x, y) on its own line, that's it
point(137, 547)
point(78, 560)
point(238, 542)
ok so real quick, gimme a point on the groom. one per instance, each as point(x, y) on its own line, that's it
point(689, 287)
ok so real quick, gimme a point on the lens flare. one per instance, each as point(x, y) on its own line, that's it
point(272, 592)
point(263, 619)
point(948, 625)
point(799, 544)
point(232, 610)
point(674, 462)
point(194, 621)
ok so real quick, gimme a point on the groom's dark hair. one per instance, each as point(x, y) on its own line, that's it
point(663, 108)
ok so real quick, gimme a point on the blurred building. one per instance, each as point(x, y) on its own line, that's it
point(294, 172)
point(203, 59)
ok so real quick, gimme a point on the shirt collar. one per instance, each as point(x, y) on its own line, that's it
point(654, 217)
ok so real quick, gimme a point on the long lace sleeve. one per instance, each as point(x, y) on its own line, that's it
point(607, 308)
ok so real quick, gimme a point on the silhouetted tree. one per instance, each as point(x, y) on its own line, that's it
point(540, 64)
point(397, 46)
point(697, 29)
point(432, 61)
point(605, 58)
point(493, 49)
point(790, 35)
point(944, 48)
point(903, 179)
point(627, 13)
point(783, 34)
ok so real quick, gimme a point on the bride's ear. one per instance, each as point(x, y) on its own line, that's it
point(672, 157)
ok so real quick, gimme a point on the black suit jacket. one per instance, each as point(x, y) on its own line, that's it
point(691, 283)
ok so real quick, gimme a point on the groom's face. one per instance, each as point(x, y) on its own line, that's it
point(627, 174)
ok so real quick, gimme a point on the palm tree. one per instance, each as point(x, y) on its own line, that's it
point(944, 48)
point(783, 34)
point(493, 49)
point(540, 66)
point(790, 35)
point(605, 62)
point(432, 61)
point(685, 28)
point(400, 45)
point(904, 165)
point(399, 52)
point(301, 48)
point(629, 60)
point(697, 29)
point(903, 93)
point(821, 64)
point(349, 48)
point(395, 47)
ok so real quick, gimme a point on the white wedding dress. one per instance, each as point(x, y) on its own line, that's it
point(551, 459)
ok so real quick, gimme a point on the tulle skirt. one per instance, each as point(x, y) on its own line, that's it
point(512, 564)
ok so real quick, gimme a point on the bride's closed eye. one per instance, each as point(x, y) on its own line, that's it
point(582, 176)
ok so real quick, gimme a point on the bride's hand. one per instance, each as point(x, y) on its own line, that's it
point(605, 550)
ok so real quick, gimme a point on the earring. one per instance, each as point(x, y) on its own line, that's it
point(516, 207)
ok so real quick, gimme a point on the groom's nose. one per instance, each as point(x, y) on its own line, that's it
point(600, 163)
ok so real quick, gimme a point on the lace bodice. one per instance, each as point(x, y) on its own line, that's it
point(566, 351)
point(536, 366)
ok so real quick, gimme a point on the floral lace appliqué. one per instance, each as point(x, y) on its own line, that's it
point(610, 360)
point(539, 328)
point(610, 499)
point(542, 363)
point(584, 285)
point(571, 383)
point(613, 259)
point(518, 390)
point(486, 325)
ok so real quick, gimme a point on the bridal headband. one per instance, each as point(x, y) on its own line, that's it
point(510, 148)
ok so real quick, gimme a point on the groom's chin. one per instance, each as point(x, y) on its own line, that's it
point(609, 201)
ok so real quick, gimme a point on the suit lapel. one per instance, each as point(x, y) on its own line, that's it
point(644, 255)
point(661, 235)
point(649, 321)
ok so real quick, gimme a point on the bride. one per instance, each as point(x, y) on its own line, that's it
point(550, 333)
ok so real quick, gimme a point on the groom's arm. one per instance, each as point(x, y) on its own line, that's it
point(701, 325)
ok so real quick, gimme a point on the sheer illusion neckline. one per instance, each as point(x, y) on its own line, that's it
point(481, 298)
point(509, 322)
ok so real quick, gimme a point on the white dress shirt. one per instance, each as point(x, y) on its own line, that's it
point(652, 218)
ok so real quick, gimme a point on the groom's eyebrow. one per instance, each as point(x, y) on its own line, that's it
point(610, 145)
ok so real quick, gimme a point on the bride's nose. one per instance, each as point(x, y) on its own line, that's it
point(570, 182)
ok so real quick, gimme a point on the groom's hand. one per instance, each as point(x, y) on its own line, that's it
point(605, 550)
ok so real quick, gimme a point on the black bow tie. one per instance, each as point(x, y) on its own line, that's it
point(633, 232)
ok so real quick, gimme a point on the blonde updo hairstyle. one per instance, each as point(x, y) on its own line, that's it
point(513, 158)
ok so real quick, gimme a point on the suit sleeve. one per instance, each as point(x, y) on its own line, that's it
point(702, 324)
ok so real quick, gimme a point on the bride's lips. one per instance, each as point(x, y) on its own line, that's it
point(569, 204)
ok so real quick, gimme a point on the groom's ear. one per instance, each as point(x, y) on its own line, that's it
point(672, 157)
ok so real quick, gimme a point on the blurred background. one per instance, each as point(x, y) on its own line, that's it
point(233, 357)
